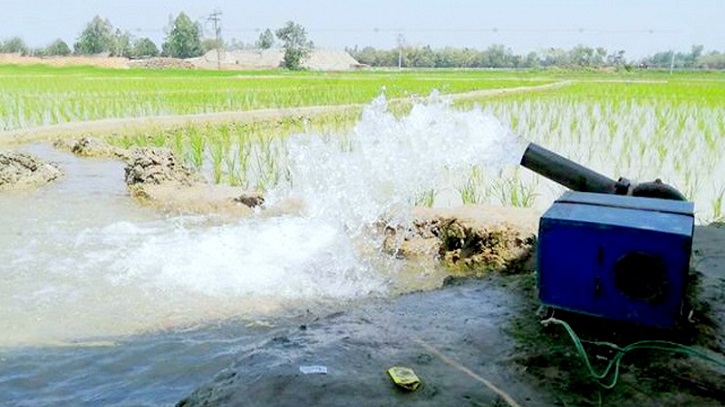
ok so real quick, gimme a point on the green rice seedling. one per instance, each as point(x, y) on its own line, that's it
point(243, 153)
point(229, 159)
point(158, 139)
point(717, 206)
point(94, 93)
point(217, 154)
point(196, 147)
point(518, 194)
point(268, 165)
point(473, 190)
point(425, 198)
point(177, 141)
point(123, 141)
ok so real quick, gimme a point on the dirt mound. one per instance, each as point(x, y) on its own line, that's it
point(470, 241)
point(157, 166)
point(91, 147)
point(100, 61)
point(162, 63)
point(319, 59)
point(155, 176)
point(18, 171)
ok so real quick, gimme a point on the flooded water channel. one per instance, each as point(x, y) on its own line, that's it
point(107, 302)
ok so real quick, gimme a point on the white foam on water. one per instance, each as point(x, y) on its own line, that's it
point(130, 275)
point(286, 257)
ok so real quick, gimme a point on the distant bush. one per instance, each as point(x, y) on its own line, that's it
point(14, 45)
point(57, 48)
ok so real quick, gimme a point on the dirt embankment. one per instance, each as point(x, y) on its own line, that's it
point(103, 62)
point(468, 240)
point(23, 171)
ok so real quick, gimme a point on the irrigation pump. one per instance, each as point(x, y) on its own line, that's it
point(610, 248)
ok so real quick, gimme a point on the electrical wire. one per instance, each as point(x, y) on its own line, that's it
point(614, 363)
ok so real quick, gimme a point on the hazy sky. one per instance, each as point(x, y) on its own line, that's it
point(637, 26)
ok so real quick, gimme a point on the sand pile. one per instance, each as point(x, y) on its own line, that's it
point(320, 59)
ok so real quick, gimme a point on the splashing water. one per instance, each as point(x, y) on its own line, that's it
point(97, 265)
point(387, 162)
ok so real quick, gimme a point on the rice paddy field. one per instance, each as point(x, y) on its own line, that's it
point(107, 302)
point(640, 125)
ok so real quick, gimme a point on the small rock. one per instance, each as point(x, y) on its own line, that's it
point(250, 199)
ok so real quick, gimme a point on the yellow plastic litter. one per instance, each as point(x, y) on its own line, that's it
point(404, 377)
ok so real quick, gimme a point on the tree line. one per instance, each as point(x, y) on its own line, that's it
point(184, 39)
point(498, 56)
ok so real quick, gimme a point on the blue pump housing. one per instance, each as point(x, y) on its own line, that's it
point(619, 257)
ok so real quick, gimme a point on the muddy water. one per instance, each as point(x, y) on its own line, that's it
point(105, 302)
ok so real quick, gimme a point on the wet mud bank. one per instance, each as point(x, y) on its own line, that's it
point(466, 323)
point(157, 178)
point(24, 171)
point(479, 342)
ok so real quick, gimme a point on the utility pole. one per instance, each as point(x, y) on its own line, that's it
point(216, 18)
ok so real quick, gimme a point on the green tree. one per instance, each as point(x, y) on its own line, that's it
point(183, 39)
point(556, 57)
point(694, 56)
point(296, 47)
point(121, 44)
point(96, 38)
point(266, 40)
point(581, 56)
point(495, 56)
point(616, 59)
point(14, 45)
point(419, 57)
point(712, 60)
point(57, 48)
point(532, 60)
point(660, 59)
point(144, 48)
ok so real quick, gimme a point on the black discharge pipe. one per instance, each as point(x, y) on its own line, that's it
point(582, 179)
point(567, 172)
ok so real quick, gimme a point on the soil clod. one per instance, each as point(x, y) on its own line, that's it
point(19, 171)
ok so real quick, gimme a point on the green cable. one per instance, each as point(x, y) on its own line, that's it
point(615, 361)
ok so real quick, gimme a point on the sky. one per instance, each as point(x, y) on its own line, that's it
point(640, 27)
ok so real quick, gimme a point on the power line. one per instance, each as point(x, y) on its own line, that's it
point(452, 30)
